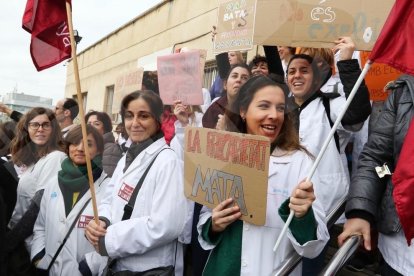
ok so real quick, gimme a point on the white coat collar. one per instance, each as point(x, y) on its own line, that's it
point(146, 154)
point(279, 156)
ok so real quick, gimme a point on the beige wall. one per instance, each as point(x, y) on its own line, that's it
point(166, 25)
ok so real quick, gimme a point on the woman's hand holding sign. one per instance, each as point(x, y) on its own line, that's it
point(223, 215)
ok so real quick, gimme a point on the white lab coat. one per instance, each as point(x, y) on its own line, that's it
point(35, 178)
point(257, 256)
point(149, 238)
point(177, 144)
point(52, 226)
point(313, 131)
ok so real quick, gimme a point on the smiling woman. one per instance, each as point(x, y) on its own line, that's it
point(147, 238)
point(259, 109)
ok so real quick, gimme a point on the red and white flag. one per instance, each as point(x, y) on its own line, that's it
point(395, 43)
point(47, 21)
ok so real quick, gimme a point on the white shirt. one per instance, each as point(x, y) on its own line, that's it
point(257, 256)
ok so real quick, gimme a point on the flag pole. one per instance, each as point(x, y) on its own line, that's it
point(326, 143)
point(81, 111)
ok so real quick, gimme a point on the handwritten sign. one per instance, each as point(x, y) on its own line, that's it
point(317, 23)
point(235, 25)
point(126, 83)
point(377, 77)
point(179, 78)
point(220, 164)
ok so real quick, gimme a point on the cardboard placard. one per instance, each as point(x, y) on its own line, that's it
point(221, 164)
point(235, 23)
point(377, 77)
point(126, 83)
point(317, 23)
point(179, 78)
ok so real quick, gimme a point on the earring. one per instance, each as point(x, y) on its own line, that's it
point(244, 119)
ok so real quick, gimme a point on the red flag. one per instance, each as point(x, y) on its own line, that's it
point(395, 43)
point(47, 21)
point(403, 180)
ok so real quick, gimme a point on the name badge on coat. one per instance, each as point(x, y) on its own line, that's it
point(125, 192)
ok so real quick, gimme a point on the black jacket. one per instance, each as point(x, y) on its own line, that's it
point(370, 197)
point(360, 107)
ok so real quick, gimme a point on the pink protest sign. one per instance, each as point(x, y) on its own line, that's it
point(179, 78)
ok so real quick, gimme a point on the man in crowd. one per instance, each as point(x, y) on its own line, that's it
point(66, 111)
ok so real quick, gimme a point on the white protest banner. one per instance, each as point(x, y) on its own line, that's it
point(220, 164)
point(179, 78)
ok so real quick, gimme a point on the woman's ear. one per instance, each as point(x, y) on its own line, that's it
point(242, 113)
point(225, 85)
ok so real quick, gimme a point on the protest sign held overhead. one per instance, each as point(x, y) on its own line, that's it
point(236, 25)
point(312, 23)
point(126, 83)
point(179, 78)
point(220, 165)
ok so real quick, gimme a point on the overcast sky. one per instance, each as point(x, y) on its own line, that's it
point(92, 18)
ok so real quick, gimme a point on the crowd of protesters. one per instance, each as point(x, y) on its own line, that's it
point(291, 96)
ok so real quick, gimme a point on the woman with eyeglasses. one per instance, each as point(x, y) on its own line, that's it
point(38, 150)
point(112, 151)
point(148, 238)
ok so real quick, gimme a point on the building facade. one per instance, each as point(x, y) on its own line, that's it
point(171, 25)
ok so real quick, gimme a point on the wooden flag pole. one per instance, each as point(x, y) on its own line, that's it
point(325, 145)
point(81, 112)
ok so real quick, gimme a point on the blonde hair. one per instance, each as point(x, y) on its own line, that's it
point(317, 53)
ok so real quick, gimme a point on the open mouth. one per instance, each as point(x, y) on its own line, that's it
point(269, 129)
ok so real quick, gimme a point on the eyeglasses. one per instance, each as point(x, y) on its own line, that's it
point(36, 125)
point(141, 116)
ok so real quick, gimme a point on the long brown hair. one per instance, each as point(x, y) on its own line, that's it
point(23, 150)
point(288, 138)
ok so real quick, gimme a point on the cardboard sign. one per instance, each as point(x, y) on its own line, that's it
point(317, 23)
point(235, 24)
point(377, 77)
point(179, 78)
point(126, 83)
point(220, 165)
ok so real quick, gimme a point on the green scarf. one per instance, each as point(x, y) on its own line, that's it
point(74, 179)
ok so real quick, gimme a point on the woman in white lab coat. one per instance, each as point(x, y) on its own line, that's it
point(149, 238)
point(38, 151)
point(68, 199)
point(240, 248)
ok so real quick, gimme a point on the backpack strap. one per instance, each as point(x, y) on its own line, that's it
point(326, 104)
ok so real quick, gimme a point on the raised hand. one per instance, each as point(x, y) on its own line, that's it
point(346, 47)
